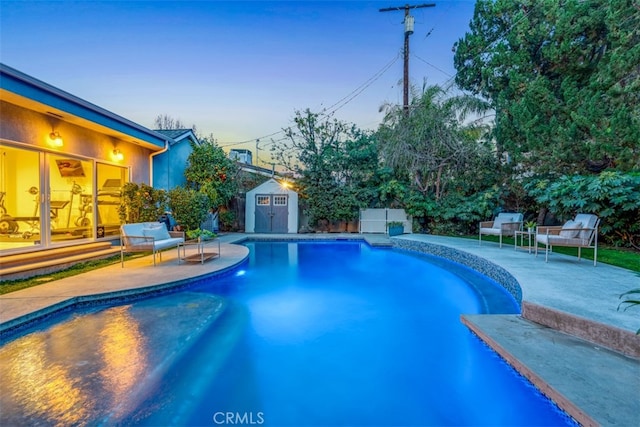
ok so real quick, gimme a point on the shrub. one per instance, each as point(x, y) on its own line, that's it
point(227, 220)
point(200, 234)
point(455, 213)
point(613, 196)
point(189, 207)
point(141, 203)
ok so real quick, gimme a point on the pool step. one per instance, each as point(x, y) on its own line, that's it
point(22, 266)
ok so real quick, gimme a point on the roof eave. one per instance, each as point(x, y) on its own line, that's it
point(28, 87)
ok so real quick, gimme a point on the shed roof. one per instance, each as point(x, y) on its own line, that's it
point(269, 186)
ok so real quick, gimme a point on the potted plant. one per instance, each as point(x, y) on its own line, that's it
point(395, 228)
point(200, 235)
point(530, 226)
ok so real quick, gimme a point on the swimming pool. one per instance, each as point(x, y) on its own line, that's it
point(308, 333)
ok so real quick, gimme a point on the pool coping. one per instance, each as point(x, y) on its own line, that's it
point(19, 323)
point(544, 357)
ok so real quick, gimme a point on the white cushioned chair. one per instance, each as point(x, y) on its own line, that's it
point(148, 237)
point(505, 224)
point(580, 232)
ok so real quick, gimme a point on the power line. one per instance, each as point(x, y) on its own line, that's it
point(351, 96)
point(356, 92)
point(344, 101)
point(229, 144)
point(431, 65)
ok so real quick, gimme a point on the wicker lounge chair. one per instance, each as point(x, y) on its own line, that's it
point(581, 232)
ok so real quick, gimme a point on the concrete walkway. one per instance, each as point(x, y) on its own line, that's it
point(593, 384)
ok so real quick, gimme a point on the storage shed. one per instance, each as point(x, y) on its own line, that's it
point(271, 207)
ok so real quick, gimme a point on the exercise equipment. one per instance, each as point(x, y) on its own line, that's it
point(85, 209)
point(55, 206)
point(10, 224)
point(76, 190)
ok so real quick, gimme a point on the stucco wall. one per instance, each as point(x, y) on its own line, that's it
point(168, 167)
point(30, 128)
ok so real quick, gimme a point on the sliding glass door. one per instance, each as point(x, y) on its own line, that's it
point(20, 198)
point(50, 199)
point(110, 180)
point(70, 198)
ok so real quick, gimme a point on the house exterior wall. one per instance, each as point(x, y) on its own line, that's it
point(54, 195)
point(29, 128)
point(169, 166)
point(271, 187)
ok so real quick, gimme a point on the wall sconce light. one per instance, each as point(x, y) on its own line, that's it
point(117, 154)
point(55, 139)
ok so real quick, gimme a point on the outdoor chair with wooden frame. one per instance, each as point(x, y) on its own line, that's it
point(505, 224)
point(581, 232)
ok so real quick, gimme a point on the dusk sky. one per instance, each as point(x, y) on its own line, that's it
point(238, 70)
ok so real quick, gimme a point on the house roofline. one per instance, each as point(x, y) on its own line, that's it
point(185, 134)
point(26, 86)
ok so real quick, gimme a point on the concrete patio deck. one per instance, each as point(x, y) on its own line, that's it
point(595, 385)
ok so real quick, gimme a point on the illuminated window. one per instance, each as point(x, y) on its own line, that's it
point(263, 200)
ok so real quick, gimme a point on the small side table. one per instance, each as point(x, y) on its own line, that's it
point(201, 254)
point(530, 235)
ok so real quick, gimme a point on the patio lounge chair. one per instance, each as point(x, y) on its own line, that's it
point(148, 237)
point(581, 232)
point(505, 224)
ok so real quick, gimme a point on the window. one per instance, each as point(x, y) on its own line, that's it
point(280, 200)
point(263, 200)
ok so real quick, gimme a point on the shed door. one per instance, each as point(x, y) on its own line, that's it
point(272, 213)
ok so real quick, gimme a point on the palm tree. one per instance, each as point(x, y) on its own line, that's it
point(433, 140)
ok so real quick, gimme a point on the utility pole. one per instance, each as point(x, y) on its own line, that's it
point(408, 30)
point(257, 142)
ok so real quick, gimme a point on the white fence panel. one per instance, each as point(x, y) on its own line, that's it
point(376, 220)
point(373, 221)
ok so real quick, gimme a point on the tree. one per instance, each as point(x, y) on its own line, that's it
point(211, 172)
point(430, 143)
point(443, 165)
point(190, 207)
point(166, 122)
point(333, 159)
point(563, 78)
point(359, 168)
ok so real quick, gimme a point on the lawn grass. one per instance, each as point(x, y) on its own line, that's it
point(624, 258)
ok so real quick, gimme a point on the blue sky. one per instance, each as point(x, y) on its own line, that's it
point(238, 70)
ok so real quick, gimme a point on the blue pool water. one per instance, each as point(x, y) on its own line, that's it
point(303, 334)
